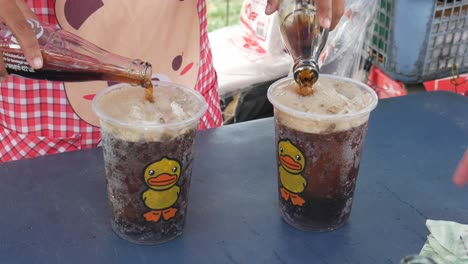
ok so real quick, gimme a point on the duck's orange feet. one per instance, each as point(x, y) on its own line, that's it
point(152, 216)
point(296, 200)
point(284, 193)
point(169, 213)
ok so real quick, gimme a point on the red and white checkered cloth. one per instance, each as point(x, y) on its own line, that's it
point(36, 119)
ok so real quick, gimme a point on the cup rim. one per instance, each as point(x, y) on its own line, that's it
point(307, 115)
point(107, 118)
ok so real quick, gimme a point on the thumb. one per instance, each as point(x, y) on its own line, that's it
point(272, 6)
point(324, 12)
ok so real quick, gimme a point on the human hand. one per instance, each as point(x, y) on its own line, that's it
point(14, 14)
point(460, 177)
point(329, 12)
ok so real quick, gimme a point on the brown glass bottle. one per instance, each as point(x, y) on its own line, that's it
point(303, 38)
point(69, 58)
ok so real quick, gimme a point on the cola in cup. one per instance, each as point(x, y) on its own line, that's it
point(319, 140)
point(148, 154)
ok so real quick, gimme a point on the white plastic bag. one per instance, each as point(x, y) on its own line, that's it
point(251, 53)
point(343, 52)
point(260, 28)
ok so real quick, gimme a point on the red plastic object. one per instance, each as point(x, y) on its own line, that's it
point(383, 85)
point(452, 84)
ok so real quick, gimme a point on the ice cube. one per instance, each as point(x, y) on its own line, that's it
point(178, 111)
point(135, 113)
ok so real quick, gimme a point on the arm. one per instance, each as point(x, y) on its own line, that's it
point(328, 11)
point(14, 13)
point(460, 177)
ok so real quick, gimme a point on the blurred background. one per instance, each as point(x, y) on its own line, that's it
point(384, 43)
point(222, 13)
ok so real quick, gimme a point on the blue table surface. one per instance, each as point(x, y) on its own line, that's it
point(53, 209)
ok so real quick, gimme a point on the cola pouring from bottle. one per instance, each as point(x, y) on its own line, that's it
point(304, 39)
point(69, 58)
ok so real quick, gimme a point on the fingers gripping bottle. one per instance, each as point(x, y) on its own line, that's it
point(67, 57)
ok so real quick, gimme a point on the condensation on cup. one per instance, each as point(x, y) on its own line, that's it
point(148, 153)
point(319, 140)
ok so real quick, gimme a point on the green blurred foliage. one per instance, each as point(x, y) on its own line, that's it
point(222, 13)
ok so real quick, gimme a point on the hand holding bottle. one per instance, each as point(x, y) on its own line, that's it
point(14, 13)
point(304, 38)
point(68, 58)
point(329, 12)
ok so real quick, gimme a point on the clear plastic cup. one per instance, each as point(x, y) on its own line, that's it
point(319, 141)
point(148, 153)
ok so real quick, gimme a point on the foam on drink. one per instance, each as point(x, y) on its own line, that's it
point(332, 99)
point(128, 114)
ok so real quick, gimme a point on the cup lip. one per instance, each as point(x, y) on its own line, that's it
point(107, 118)
point(307, 115)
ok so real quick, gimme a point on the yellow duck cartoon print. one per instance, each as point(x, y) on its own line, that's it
point(161, 177)
point(291, 164)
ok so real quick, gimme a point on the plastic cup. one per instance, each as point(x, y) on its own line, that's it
point(148, 153)
point(319, 141)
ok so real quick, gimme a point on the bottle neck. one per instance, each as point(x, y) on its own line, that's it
point(139, 73)
point(306, 72)
point(303, 37)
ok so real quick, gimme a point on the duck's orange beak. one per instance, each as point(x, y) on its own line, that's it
point(290, 163)
point(162, 180)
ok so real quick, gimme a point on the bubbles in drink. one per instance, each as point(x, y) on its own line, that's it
point(331, 97)
point(169, 105)
point(128, 105)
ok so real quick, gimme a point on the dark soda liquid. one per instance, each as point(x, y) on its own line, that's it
point(73, 68)
point(149, 91)
point(331, 170)
point(57, 67)
point(125, 166)
point(52, 75)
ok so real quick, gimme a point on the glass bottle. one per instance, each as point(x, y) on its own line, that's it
point(67, 57)
point(303, 37)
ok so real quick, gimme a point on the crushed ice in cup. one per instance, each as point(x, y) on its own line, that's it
point(129, 106)
point(331, 97)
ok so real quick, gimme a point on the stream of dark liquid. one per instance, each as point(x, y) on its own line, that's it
point(306, 84)
point(149, 91)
